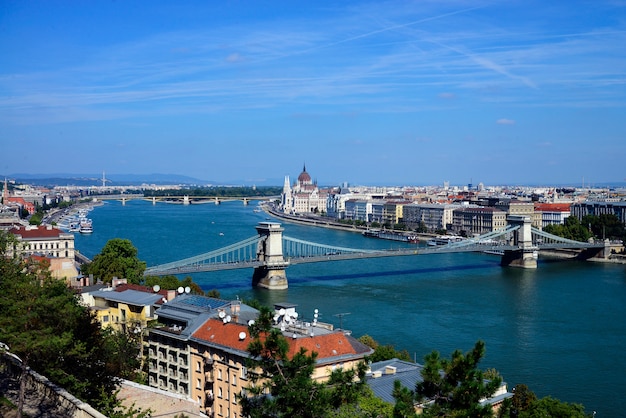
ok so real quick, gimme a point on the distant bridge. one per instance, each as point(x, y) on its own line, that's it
point(270, 253)
point(184, 200)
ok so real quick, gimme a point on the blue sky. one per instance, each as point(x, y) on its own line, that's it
point(395, 93)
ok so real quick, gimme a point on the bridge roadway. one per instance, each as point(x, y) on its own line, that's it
point(440, 249)
point(179, 199)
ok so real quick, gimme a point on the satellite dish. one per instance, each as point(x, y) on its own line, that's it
point(251, 322)
point(156, 288)
point(315, 311)
point(181, 289)
point(295, 314)
point(282, 311)
point(222, 314)
point(294, 336)
point(228, 318)
point(187, 289)
point(242, 335)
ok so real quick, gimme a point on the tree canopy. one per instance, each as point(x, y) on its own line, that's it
point(456, 384)
point(283, 386)
point(44, 324)
point(118, 258)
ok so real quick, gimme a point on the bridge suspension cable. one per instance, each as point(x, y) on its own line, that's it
point(294, 247)
point(241, 252)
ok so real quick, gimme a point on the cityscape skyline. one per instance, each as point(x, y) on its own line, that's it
point(373, 93)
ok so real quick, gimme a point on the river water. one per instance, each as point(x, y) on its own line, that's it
point(560, 329)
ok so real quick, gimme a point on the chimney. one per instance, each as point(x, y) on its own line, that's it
point(390, 370)
point(171, 294)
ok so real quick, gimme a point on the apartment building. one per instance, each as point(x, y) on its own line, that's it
point(598, 208)
point(434, 216)
point(552, 213)
point(474, 221)
point(50, 243)
point(199, 349)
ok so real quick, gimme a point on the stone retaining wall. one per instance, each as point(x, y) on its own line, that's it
point(42, 398)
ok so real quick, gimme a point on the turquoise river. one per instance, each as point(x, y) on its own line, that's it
point(560, 329)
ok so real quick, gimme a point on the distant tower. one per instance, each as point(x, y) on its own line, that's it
point(5, 192)
point(287, 201)
point(104, 180)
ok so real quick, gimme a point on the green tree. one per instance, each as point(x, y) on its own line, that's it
point(45, 325)
point(404, 406)
point(283, 387)
point(571, 229)
point(383, 352)
point(367, 405)
point(119, 259)
point(524, 404)
point(456, 386)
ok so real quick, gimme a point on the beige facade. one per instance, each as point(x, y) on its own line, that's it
point(434, 216)
point(474, 221)
point(44, 240)
point(522, 208)
point(48, 242)
point(199, 350)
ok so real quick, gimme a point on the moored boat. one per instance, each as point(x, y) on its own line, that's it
point(86, 226)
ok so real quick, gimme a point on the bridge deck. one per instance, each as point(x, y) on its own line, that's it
point(295, 251)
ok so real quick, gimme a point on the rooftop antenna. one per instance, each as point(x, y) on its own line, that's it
point(341, 315)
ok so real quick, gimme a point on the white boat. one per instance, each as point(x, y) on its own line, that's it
point(85, 226)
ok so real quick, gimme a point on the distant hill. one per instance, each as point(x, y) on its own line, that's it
point(86, 180)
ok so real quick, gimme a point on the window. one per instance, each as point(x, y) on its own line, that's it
point(105, 318)
point(198, 384)
point(198, 365)
point(244, 372)
point(219, 393)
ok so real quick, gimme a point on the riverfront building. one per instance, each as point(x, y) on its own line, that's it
point(597, 208)
point(434, 216)
point(50, 243)
point(474, 221)
point(552, 213)
point(304, 196)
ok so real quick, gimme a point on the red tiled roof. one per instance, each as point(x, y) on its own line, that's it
point(552, 207)
point(215, 331)
point(34, 233)
point(326, 345)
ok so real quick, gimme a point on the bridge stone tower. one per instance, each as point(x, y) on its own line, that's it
point(526, 256)
point(271, 275)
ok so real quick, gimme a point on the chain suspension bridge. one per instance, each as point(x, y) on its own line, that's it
point(269, 252)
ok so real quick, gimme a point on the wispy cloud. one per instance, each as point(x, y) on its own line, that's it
point(394, 61)
point(505, 121)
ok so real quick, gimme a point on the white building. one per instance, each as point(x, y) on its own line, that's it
point(304, 196)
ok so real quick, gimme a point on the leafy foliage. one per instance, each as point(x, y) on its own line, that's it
point(173, 282)
point(119, 259)
point(605, 226)
point(571, 229)
point(283, 386)
point(456, 384)
point(51, 332)
point(383, 352)
point(525, 404)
